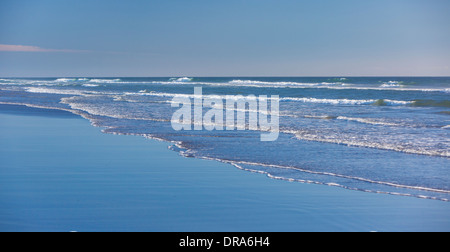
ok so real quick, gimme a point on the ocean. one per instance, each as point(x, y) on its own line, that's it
point(374, 134)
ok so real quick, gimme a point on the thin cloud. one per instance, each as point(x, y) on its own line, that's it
point(23, 48)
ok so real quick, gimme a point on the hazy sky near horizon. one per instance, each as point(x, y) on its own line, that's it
point(40, 38)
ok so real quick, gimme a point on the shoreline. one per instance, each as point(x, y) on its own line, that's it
point(190, 195)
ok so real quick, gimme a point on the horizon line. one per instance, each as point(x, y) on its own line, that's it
point(241, 76)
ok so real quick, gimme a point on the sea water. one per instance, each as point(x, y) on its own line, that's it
point(375, 134)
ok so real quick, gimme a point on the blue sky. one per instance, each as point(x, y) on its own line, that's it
point(224, 38)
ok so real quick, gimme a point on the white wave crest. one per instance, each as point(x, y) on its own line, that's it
point(41, 90)
point(303, 99)
point(344, 101)
point(90, 85)
point(240, 164)
point(283, 83)
point(193, 96)
point(369, 121)
point(346, 140)
point(100, 110)
point(392, 84)
point(329, 101)
point(44, 90)
point(65, 79)
point(182, 79)
point(105, 80)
